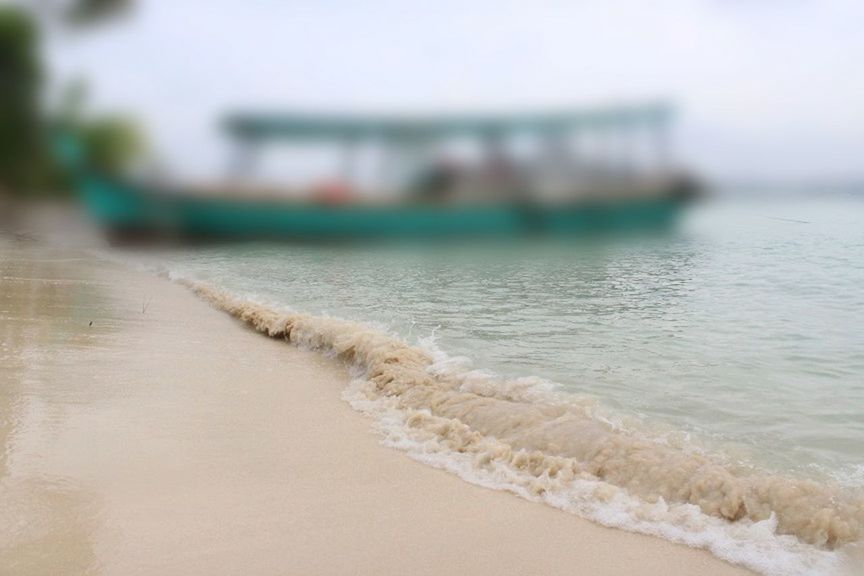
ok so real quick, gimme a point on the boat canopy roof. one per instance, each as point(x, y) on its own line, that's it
point(346, 127)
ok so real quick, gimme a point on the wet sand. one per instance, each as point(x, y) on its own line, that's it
point(167, 438)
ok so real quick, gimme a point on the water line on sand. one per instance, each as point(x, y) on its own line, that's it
point(509, 435)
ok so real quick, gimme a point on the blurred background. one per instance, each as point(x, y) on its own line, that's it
point(768, 92)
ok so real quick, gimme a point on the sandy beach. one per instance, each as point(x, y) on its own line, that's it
point(144, 432)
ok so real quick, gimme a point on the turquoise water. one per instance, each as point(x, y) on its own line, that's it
point(742, 330)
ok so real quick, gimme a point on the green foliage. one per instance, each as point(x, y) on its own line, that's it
point(88, 12)
point(108, 144)
point(22, 154)
point(111, 144)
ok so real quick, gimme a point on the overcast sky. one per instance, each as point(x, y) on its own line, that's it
point(765, 88)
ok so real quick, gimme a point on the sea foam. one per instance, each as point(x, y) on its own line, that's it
point(522, 437)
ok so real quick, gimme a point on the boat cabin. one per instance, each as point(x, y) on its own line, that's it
point(533, 157)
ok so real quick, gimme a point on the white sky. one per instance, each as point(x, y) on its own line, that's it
point(765, 88)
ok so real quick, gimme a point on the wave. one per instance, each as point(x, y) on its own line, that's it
point(519, 436)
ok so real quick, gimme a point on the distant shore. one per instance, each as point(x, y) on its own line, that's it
point(150, 434)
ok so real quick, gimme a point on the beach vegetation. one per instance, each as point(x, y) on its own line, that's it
point(30, 125)
point(22, 153)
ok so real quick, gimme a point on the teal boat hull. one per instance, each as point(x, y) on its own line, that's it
point(131, 211)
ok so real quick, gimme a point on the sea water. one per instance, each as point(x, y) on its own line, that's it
point(733, 346)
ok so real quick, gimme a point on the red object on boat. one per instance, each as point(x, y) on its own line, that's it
point(333, 192)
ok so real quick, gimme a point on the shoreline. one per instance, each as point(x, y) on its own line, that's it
point(220, 452)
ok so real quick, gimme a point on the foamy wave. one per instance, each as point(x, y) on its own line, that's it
point(522, 437)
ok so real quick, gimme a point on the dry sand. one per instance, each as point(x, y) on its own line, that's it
point(166, 438)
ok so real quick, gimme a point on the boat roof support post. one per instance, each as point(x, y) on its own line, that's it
point(349, 160)
point(662, 147)
point(244, 158)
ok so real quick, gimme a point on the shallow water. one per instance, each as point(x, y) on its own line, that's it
point(143, 433)
point(742, 331)
point(703, 385)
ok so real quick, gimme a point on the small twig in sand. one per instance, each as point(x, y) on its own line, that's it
point(146, 304)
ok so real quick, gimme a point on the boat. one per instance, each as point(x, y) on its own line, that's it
point(551, 187)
